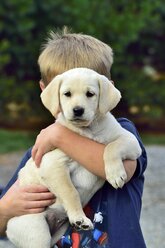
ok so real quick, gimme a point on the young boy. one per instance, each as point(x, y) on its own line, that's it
point(115, 213)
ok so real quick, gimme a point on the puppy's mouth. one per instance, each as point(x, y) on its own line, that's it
point(80, 122)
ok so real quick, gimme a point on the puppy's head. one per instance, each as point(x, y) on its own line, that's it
point(80, 94)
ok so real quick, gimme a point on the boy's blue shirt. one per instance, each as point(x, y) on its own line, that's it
point(115, 213)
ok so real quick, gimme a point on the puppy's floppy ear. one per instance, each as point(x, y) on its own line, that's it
point(109, 95)
point(50, 96)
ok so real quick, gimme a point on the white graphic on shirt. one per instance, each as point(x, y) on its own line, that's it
point(98, 217)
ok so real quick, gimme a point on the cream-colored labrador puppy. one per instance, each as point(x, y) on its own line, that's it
point(82, 99)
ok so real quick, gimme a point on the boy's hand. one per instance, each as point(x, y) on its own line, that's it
point(42, 144)
point(25, 200)
point(46, 141)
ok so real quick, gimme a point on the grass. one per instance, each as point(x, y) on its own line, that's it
point(11, 141)
point(153, 139)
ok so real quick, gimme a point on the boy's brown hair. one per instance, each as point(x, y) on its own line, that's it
point(65, 50)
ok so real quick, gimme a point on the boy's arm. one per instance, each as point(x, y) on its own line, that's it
point(87, 152)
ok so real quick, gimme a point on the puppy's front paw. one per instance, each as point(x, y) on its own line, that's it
point(81, 223)
point(116, 175)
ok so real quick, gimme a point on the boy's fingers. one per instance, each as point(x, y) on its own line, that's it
point(35, 189)
point(39, 196)
point(38, 157)
point(39, 204)
point(34, 151)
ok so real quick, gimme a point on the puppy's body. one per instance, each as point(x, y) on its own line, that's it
point(83, 98)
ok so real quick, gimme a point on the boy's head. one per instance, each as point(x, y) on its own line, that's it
point(64, 51)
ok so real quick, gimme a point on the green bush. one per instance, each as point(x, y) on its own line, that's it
point(134, 29)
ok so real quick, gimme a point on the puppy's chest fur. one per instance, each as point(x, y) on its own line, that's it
point(103, 129)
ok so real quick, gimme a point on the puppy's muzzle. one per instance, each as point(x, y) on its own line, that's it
point(78, 111)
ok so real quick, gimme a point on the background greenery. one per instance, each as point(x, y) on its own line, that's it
point(12, 141)
point(21, 140)
point(134, 29)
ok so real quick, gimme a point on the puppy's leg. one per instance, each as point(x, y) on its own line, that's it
point(114, 169)
point(55, 175)
point(87, 186)
point(29, 231)
point(125, 147)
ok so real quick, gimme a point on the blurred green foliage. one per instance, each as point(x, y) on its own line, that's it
point(13, 140)
point(16, 140)
point(134, 29)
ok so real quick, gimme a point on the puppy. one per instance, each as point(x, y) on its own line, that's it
point(82, 100)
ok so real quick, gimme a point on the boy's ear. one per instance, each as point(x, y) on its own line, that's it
point(50, 96)
point(109, 95)
point(42, 85)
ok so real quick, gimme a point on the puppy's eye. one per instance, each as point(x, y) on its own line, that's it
point(90, 94)
point(67, 93)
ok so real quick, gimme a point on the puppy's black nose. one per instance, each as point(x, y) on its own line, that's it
point(78, 111)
